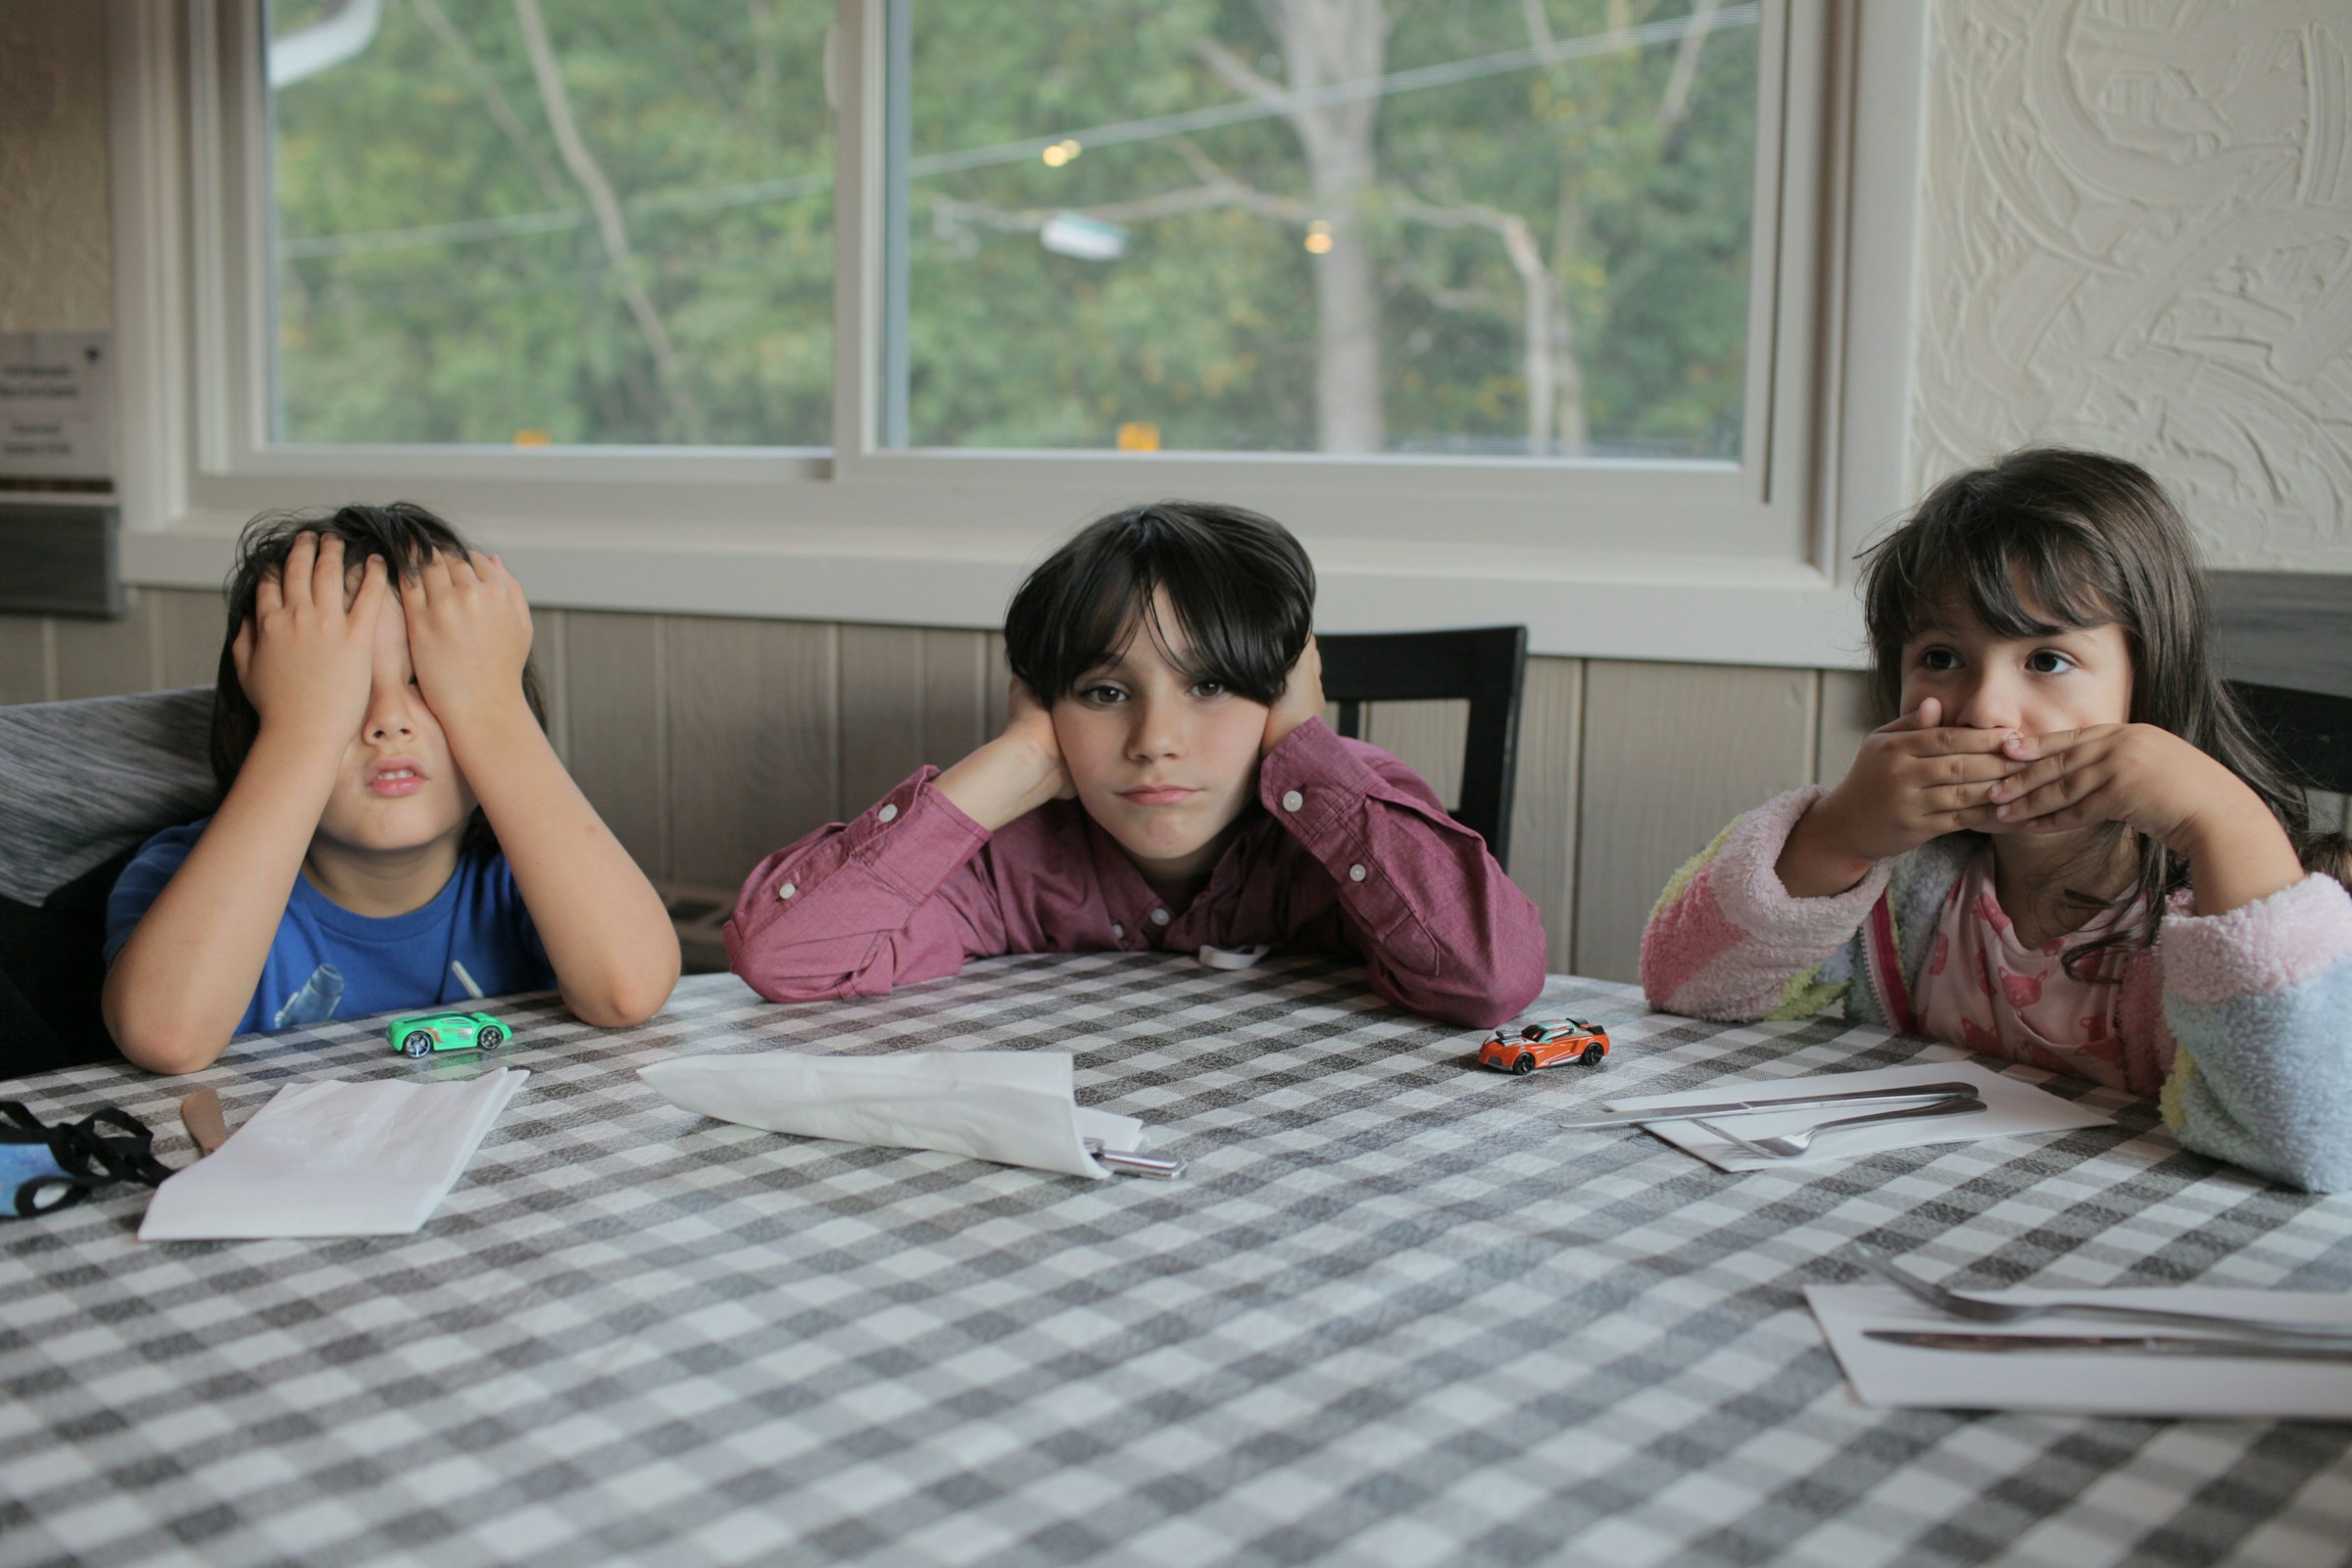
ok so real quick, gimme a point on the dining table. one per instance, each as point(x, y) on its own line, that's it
point(1393, 1314)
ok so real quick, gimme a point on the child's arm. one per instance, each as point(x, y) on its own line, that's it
point(2256, 999)
point(1728, 940)
point(900, 893)
point(186, 978)
point(606, 935)
point(1444, 933)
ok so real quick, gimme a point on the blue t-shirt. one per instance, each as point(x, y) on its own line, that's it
point(328, 963)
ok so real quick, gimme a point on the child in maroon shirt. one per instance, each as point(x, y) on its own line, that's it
point(1165, 782)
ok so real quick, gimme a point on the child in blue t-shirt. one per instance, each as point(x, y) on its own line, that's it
point(395, 822)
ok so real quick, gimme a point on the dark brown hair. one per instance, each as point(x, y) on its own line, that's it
point(404, 533)
point(1242, 589)
point(2048, 538)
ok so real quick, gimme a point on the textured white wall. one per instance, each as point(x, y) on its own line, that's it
point(2137, 237)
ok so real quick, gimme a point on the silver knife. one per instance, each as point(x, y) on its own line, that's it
point(2135, 1344)
point(1744, 1107)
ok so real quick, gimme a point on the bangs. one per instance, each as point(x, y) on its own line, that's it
point(1239, 593)
point(2020, 574)
point(2036, 585)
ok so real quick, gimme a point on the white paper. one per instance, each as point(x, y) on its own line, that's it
point(56, 405)
point(2084, 1382)
point(2013, 1107)
point(334, 1158)
point(1014, 1108)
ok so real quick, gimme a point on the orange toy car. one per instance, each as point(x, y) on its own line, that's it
point(1545, 1044)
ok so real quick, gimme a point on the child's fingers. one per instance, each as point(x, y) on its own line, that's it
point(326, 573)
point(294, 576)
point(268, 596)
point(240, 648)
point(1964, 767)
point(1926, 715)
point(375, 588)
point(2033, 748)
point(2052, 800)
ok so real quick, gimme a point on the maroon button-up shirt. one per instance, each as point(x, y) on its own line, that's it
point(1350, 854)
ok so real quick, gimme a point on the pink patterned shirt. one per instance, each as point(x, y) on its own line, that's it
point(1987, 991)
point(1351, 853)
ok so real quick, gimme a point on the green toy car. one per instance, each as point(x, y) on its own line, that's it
point(420, 1034)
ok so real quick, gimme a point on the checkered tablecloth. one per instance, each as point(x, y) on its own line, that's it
point(1393, 1316)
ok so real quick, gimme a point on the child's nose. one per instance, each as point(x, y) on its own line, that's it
point(1157, 730)
point(1990, 704)
point(391, 710)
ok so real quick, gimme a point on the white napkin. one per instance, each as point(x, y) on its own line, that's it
point(1011, 1107)
point(332, 1159)
point(2086, 1382)
point(2011, 1106)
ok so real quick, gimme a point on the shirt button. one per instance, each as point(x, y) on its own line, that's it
point(888, 814)
point(1160, 917)
point(1355, 874)
point(1118, 933)
point(1292, 800)
point(787, 890)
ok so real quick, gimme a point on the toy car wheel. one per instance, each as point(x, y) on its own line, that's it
point(491, 1037)
point(1593, 1054)
point(416, 1043)
point(1525, 1064)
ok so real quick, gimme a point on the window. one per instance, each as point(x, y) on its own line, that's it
point(1483, 228)
point(559, 222)
point(1516, 310)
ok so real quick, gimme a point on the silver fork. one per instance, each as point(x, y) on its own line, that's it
point(1787, 1146)
point(1975, 1310)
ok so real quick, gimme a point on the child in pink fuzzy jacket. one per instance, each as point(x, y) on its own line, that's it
point(2069, 849)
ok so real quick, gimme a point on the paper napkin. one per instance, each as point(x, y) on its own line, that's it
point(2012, 1107)
point(2086, 1382)
point(331, 1158)
point(1011, 1107)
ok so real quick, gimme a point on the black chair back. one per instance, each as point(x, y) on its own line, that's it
point(1487, 664)
point(2286, 643)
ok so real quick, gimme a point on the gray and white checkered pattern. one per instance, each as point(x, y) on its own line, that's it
point(1393, 1316)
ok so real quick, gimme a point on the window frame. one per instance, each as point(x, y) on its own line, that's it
point(1747, 563)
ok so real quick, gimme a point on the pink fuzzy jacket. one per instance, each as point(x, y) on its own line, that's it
point(2237, 1021)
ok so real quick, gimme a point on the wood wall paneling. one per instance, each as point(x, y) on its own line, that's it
point(998, 687)
point(1543, 816)
point(26, 674)
point(1848, 713)
point(957, 681)
point(754, 732)
point(189, 624)
point(618, 726)
point(1426, 737)
point(1671, 753)
point(106, 658)
point(883, 699)
point(550, 633)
